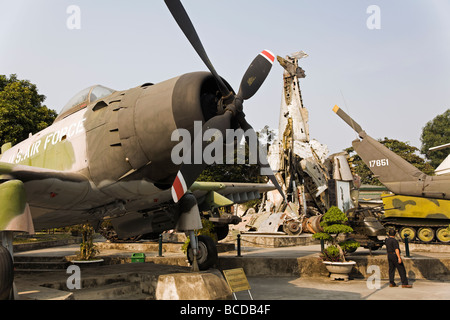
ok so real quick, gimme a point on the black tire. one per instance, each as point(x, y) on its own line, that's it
point(6, 273)
point(207, 256)
point(221, 231)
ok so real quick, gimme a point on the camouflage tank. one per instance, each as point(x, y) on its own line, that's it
point(423, 220)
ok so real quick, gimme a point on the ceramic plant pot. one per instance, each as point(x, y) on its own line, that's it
point(339, 270)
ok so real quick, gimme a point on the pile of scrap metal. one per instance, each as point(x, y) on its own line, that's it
point(312, 180)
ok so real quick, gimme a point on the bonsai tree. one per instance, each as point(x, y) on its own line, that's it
point(88, 249)
point(333, 224)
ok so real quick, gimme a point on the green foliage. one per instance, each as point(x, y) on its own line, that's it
point(333, 224)
point(435, 133)
point(332, 216)
point(235, 172)
point(21, 110)
point(331, 253)
point(322, 236)
point(349, 246)
point(207, 230)
point(88, 250)
point(337, 228)
point(403, 149)
point(232, 173)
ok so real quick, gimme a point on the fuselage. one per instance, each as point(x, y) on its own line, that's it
point(121, 144)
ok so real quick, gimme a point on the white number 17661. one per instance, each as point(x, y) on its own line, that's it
point(378, 163)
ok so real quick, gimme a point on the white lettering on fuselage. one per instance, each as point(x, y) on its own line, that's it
point(50, 139)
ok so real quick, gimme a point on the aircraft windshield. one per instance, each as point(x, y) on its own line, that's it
point(86, 96)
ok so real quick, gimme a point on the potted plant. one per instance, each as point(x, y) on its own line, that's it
point(333, 224)
point(88, 250)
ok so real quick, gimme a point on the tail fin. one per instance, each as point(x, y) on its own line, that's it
point(389, 168)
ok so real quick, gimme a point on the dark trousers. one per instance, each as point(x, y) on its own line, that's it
point(393, 264)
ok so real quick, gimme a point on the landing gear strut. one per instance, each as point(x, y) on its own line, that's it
point(193, 248)
point(206, 255)
point(202, 251)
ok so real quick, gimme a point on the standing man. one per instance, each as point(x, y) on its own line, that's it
point(395, 261)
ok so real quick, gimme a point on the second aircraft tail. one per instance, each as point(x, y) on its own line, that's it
point(388, 167)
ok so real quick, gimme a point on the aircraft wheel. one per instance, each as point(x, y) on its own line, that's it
point(207, 253)
point(410, 231)
point(443, 235)
point(425, 234)
point(6, 273)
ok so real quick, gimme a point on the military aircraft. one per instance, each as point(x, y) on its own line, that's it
point(397, 174)
point(108, 156)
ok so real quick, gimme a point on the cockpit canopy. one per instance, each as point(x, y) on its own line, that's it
point(83, 98)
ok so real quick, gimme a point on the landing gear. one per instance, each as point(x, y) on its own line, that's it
point(202, 251)
point(206, 253)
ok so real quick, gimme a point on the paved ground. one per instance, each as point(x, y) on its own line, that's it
point(292, 288)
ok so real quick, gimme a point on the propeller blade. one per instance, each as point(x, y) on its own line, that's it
point(256, 74)
point(181, 17)
point(190, 170)
point(252, 80)
point(265, 167)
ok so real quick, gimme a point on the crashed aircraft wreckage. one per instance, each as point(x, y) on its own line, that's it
point(311, 180)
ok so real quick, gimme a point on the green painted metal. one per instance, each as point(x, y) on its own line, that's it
point(12, 201)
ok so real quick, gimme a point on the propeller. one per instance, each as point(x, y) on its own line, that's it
point(252, 80)
point(182, 18)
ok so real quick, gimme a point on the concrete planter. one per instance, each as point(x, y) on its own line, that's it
point(87, 263)
point(339, 270)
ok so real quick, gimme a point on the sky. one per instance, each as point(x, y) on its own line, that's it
point(392, 79)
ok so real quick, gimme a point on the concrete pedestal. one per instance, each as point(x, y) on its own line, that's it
point(193, 286)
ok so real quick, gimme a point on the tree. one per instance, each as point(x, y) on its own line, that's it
point(435, 133)
point(21, 110)
point(333, 224)
point(232, 173)
point(403, 149)
point(235, 172)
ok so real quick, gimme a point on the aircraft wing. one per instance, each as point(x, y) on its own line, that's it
point(220, 192)
point(52, 189)
point(24, 173)
point(46, 188)
point(26, 187)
